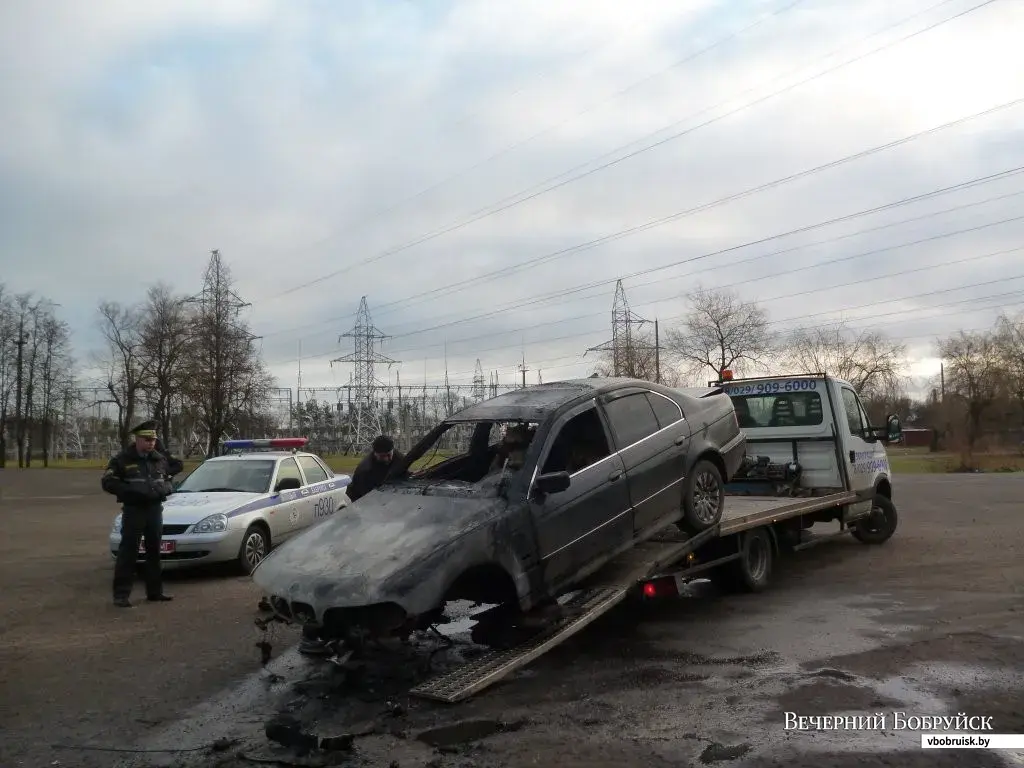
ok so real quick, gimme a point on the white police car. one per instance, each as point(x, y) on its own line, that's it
point(239, 505)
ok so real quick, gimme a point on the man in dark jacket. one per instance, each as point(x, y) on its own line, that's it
point(374, 467)
point(140, 478)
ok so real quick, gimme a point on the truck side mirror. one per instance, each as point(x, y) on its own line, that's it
point(893, 428)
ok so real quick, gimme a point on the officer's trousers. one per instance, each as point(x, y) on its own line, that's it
point(136, 523)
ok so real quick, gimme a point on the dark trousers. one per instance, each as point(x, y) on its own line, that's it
point(136, 523)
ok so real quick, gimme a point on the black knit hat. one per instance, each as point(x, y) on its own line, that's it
point(383, 444)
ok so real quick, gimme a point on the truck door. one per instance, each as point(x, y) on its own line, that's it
point(592, 517)
point(864, 460)
point(653, 456)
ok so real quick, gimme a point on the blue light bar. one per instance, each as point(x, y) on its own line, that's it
point(271, 442)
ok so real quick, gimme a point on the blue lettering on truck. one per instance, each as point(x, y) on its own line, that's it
point(773, 387)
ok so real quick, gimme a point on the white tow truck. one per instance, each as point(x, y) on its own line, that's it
point(812, 458)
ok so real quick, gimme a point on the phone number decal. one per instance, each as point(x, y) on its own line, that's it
point(773, 387)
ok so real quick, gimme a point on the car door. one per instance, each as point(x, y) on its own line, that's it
point(322, 501)
point(592, 516)
point(651, 455)
point(860, 454)
point(287, 516)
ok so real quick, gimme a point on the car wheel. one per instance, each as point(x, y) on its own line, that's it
point(703, 498)
point(255, 546)
point(880, 525)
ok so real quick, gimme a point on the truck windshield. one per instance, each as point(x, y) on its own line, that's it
point(783, 409)
point(248, 476)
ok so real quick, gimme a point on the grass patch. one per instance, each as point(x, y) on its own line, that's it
point(920, 462)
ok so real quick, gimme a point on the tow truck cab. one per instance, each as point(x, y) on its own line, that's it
point(810, 435)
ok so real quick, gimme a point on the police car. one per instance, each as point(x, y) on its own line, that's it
point(235, 507)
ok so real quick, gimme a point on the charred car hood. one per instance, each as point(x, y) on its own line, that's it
point(349, 559)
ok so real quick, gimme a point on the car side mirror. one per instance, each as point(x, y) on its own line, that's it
point(287, 484)
point(552, 482)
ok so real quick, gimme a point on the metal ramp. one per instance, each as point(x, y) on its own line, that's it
point(599, 594)
point(485, 670)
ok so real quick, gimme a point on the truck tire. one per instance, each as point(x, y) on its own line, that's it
point(753, 569)
point(703, 498)
point(879, 527)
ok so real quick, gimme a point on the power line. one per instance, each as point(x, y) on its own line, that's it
point(523, 142)
point(457, 287)
point(829, 262)
point(683, 315)
point(561, 294)
point(578, 359)
point(484, 213)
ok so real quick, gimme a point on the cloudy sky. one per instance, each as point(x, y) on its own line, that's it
point(483, 171)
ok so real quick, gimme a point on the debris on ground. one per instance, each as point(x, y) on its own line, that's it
point(287, 731)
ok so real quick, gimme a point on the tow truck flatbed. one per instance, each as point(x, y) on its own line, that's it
point(614, 583)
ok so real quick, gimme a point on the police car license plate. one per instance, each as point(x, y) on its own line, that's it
point(166, 547)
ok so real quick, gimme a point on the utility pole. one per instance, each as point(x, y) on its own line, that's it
point(942, 381)
point(657, 355)
point(523, 369)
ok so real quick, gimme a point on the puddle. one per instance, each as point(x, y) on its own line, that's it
point(464, 731)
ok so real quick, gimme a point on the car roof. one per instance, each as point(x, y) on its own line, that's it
point(541, 400)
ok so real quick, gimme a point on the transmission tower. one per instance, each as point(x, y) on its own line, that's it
point(364, 357)
point(623, 345)
point(479, 391)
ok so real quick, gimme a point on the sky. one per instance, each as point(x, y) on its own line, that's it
point(484, 172)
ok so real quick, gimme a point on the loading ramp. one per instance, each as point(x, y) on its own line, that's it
point(612, 585)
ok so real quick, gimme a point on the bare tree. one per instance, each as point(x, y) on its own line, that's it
point(720, 331)
point(226, 377)
point(124, 361)
point(973, 370)
point(164, 336)
point(869, 360)
point(27, 343)
point(8, 369)
point(55, 375)
point(1010, 341)
point(640, 360)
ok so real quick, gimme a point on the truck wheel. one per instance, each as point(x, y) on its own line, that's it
point(754, 568)
point(880, 525)
point(703, 498)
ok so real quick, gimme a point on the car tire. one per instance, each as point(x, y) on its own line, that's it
point(703, 498)
point(879, 527)
point(255, 546)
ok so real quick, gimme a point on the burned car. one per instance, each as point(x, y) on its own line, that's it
point(522, 497)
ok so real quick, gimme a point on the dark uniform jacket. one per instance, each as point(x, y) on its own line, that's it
point(140, 481)
point(369, 474)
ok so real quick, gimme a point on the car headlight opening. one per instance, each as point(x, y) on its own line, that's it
point(212, 524)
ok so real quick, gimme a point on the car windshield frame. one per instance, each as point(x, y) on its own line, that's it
point(448, 448)
point(757, 409)
point(228, 476)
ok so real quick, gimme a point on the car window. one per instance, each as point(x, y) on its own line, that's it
point(852, 408)
point(288, 468)
point(667, 411)
point(580, 443)
point(314, 472)
point(632, 419)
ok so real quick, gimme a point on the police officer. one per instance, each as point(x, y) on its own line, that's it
point(140, 478)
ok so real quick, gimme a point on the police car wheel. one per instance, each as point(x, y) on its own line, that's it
point(255, 545)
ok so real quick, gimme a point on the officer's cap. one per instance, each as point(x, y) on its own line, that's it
point(146, 429)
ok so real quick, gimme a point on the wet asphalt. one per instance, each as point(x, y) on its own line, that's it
point(929, 624)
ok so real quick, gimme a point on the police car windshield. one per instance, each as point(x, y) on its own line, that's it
point(230, 476)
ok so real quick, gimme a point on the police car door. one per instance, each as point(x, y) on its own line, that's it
point(287, 516)
point(323, 499)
